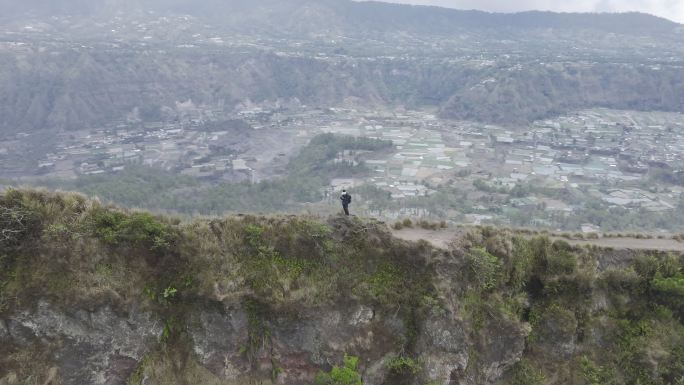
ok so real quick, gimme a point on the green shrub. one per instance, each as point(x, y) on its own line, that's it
point(669, 267)
point(138, 229)
point(525, 373)
point(620, 280)
point(15, 223)
point(646, 266)
point(138, 375)
point(552, 324)
point(172, 328)
point(674, 371)
point(560, 260)
point(550, 259)
point(670, 292)
point(258, 331)
point(386, 282)
point(595, 375)
point(632, 338)
point(673, 286)
point(484, 269)
point(264, 268)
point(427, 225)
point(344, 375)
point(403, 366)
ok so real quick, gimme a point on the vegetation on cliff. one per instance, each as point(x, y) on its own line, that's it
point(296, 300)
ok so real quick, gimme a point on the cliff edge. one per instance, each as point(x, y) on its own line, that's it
point(92, 294)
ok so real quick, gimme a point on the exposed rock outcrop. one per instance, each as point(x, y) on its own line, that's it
point(94, 295)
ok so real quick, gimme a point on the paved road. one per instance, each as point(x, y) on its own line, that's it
point(442, 238)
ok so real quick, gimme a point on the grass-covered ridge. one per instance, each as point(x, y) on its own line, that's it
point(587, 316)
point(73, 251)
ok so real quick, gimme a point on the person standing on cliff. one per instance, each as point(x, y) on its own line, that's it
point(346, 201)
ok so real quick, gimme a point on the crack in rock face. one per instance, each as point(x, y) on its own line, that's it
point(297, 348)
point(4, 332)
point(500, 346)
point(217, 338)
point(446, 342)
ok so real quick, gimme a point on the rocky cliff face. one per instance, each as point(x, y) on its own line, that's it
point(93, 295)
point(87, 345)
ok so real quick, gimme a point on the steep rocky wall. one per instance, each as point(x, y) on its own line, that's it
point(93, 295)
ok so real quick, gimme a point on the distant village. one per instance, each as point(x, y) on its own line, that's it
point(607, 154)
point(598, 150)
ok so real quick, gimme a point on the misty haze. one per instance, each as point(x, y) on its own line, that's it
point(340, 192)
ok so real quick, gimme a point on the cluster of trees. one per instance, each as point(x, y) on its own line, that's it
point(515, 97)
point(536, 92)
point(669, 176)
point(308, 173)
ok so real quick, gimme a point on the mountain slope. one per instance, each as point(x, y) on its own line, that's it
point(96, 89)
point(91, 64)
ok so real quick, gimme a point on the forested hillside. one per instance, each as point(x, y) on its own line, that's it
point(72, 65)
point(92, 89)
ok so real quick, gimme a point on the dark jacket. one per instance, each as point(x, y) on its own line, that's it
point(346, 199)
